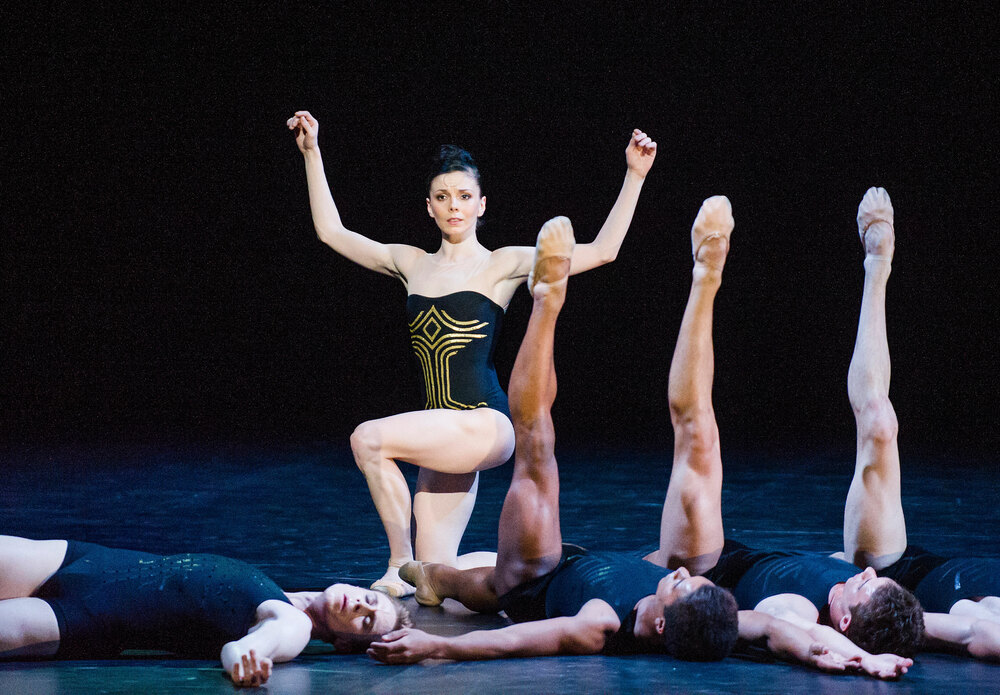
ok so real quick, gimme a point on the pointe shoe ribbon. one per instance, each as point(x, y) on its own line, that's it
point(710, 237)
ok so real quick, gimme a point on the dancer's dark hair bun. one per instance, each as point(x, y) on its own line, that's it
point(452, 158)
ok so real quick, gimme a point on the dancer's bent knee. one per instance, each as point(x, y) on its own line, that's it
point(366, 444)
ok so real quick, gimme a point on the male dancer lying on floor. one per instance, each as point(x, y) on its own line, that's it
point(73, 600)
point(584, 603)
point(961, 609)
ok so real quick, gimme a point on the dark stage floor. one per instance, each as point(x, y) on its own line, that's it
point(304, 516)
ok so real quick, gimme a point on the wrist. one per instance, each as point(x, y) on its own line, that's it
point(633, 175)
point(440, 648)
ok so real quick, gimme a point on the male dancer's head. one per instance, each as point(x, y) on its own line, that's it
point(690, 617)
point(351, 617)
point(877, 614)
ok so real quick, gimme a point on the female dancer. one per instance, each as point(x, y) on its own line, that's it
point(456, 299)
point(71, 600)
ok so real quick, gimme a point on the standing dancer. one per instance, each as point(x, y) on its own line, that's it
point(456, 300)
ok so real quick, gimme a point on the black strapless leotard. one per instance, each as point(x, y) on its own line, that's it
point(453, 339)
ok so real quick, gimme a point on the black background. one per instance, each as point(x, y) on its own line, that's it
point(162, 281)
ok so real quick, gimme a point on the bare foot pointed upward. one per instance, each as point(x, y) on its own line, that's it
point(711, 231)
point(875, 228)
point(553, 256)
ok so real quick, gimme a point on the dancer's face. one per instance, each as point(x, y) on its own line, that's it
point(671, 589)
point(854, 592)
point(455, 203)
point(344, 610)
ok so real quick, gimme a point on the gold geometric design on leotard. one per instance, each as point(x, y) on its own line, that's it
point(436, 337)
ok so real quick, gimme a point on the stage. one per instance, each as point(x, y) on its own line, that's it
point(302, 514)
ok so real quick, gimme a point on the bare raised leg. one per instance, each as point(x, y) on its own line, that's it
point(874, 526)
point(456, 444)
point(691, 533)
point(530, 540)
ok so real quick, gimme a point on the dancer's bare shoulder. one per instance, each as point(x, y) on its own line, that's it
point(512, 262)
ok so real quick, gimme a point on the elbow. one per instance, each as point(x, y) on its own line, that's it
point(588, 638)
point(607, 256)
point(326, 235)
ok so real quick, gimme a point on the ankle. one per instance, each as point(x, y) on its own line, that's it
point(705, 275)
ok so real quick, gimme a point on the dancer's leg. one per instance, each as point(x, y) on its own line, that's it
point(874, 527)
point(445, 441)
point(691, 533)
point(28, 626)
point(26, 564)
point(530, 540)
point(442, 506)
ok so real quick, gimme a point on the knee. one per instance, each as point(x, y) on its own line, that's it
point(877, 421)
point(366, 443)
point(697, 430)
point(535, 437)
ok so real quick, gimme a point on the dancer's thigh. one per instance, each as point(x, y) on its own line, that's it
point(447, 441)
point(26, 564)
point(28, 627)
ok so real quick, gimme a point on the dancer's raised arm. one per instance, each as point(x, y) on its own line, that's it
point(639, 156)
point(390, 259)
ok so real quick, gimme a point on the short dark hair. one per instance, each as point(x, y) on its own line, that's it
point(403, 616)
point(702, 626)
point(891, 621)
point(450, 158)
